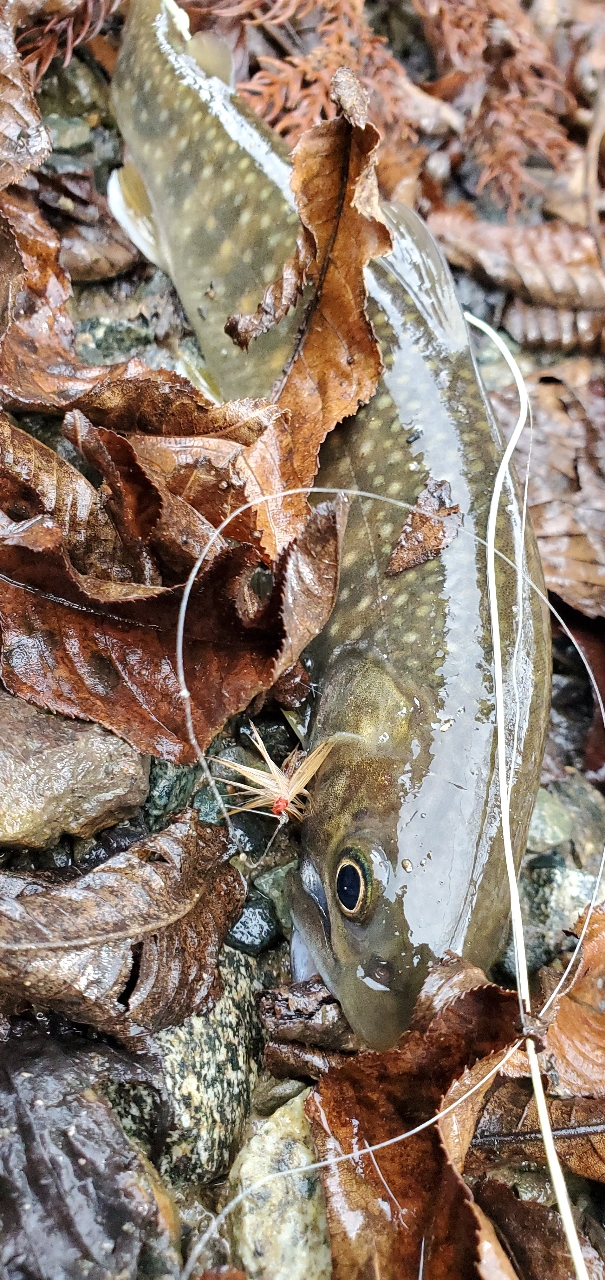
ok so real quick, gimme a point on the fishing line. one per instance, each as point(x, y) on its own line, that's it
point(554, 1167)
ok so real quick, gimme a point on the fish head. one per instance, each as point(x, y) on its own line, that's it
point(348, 895)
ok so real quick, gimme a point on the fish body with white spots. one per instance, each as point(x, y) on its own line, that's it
point(402, 856)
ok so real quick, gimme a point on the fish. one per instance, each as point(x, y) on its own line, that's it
point(402, 856)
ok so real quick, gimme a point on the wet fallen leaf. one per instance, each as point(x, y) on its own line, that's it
point(551, 264)
point(508, 1131)
point(105, 651)
point(427, 530)
point(24, 141)
point(217, 457)
point(131, 946)
point(39, 368)
point(336, 360)
point(412, 1211)
point(566, 487)
point(35, 480)
point(575, 1041)
point(534, 1235)
point(78, 1196)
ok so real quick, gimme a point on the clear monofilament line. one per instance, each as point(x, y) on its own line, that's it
point(556, 1173)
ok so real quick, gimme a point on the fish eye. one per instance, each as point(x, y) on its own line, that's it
point(352, 883)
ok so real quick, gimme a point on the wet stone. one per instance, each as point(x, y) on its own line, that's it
point(170, 789)
point(550, 824)
point(68, 133)
point(257, 928)
point(281, 1230)
point(270, 1094)
point(210, 1067)
point(59, 775)
point(277, 736)
point(273, 884)
point(585, 807)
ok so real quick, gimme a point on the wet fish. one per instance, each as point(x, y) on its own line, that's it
point(402, 852)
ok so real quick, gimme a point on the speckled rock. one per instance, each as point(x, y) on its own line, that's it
point(60, 775)
point(585, 807)
point(550, 824)
point(210, 1066)
point(280, 1231)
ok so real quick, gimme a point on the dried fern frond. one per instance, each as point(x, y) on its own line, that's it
point(518, 90)
point(59, 34)
point(280, 791)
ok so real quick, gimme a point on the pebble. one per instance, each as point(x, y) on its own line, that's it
point(59, 775)
point(280, 1232)
point(550, 825)
point(273, 884)
point(257, 928)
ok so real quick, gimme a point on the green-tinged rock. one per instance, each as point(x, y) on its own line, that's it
point(170, 790)
point(257, 928)
point(273, 884)
point(271, 1093)
point(75, 90)
point(586, 808)
point(68, 133)
point(210, 1067)
point(280, 1231)
point(553, 895)
point(550, 824)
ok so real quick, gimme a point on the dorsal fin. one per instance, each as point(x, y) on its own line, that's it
point(419, 263)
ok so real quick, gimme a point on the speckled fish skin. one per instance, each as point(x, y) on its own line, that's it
point(405, 664)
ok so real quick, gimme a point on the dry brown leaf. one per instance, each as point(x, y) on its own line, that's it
point(510, 85)
point(556, 329)
point(93, 245)
point(132, 946)
point(427, 530)
point(39, 368)
point(534, 1235)
point(162, 536)
point(105, 651)
point(551, 264)
point(566, 487)
point(336, 360)
point(575, 1040)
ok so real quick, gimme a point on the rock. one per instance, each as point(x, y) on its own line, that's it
point(273, 884)
point(550, 824)
point(170, 790)
point(68, 133)
point(270, 1093)
point(59, 775)
point(210, 1066)
point(586, 808)
point(257, 928)
point(281, 1230)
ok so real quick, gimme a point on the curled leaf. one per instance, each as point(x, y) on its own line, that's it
point(39, 368)
point(131, 946)
point(576, 1037)
point(336, 360)
point(24, 141)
